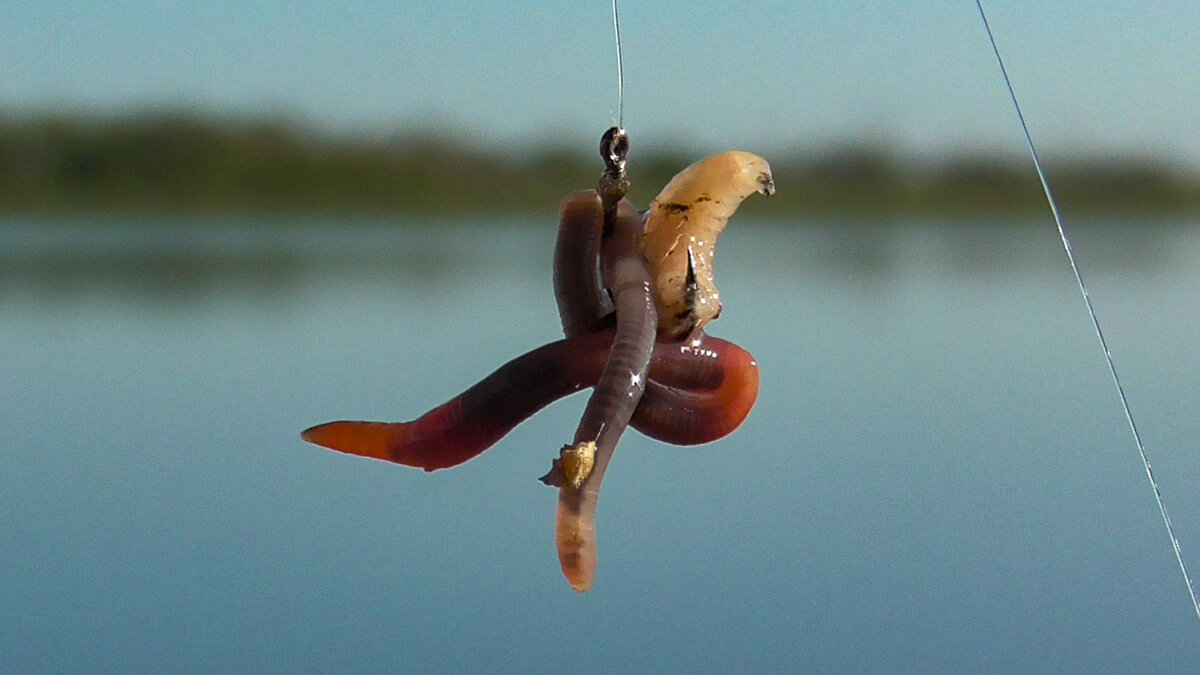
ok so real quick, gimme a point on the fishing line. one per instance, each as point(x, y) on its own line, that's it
point(620, 69)
point(1112, 369)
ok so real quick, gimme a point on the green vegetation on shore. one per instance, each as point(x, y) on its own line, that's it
point(181, 163)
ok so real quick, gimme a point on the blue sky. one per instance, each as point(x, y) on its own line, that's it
point(763, 76)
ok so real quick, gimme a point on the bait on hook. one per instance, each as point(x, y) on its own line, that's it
point(634, 294)
point(668, 380)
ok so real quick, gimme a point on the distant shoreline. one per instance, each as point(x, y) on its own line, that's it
point(181, 164)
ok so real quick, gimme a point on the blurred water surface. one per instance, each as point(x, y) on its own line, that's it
point(936, 478)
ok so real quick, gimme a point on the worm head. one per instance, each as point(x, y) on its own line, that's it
point(681, 232)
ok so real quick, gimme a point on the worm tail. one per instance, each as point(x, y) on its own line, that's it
point(575, 537)
point(700, 393)
point(376, 440)
point(473, 421)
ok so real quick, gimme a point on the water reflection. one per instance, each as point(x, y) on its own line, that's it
point(936, 476)
point(175, 263)
point(170, 262)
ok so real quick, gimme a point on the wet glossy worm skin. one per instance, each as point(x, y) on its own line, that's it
point(679, 391)
point(676, 415)
point(673, 415)
point(692, 415)
point(718, 376)
point(582, 305)
point(626, 275)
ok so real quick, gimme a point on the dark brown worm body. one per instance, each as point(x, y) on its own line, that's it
point(681, 416)
point(716, 376)
point(695, 415)
point(667, 413)
point(683, 393)
point(626, 275)
point(582, 305)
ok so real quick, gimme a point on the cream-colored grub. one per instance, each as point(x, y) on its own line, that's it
point(681, 233)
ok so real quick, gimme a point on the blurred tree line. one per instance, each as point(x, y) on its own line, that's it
point(177, 162)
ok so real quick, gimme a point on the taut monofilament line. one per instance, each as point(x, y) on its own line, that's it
point(1112, 368)
point(620, 68)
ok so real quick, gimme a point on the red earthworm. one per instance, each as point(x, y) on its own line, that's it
point(682, 391)
point(681, 247)
point(473, 421)
point(681, 416)
point(581, 469)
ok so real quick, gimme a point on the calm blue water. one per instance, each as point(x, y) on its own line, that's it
point(937, 476)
